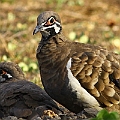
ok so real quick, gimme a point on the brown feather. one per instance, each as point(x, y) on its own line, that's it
point(19, 97)
point(96, 69)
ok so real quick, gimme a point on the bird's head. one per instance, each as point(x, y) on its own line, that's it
point(48, 24)
point(4, 75)
point(10, 71)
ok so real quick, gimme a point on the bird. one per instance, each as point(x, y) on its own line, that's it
point(76, 75)
point(20, 97)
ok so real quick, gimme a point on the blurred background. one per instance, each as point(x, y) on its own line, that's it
point(86, 21)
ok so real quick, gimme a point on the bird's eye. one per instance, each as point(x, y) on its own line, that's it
point(51, 20)
point(1, 72)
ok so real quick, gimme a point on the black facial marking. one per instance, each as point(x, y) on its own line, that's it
point(4, 75)
point(52, 20)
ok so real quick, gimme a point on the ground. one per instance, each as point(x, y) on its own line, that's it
point(91, 21)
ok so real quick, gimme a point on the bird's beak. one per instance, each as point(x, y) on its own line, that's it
point(37, 29)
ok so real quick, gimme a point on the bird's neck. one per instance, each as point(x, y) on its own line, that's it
point(51, 55)
point(51, 44)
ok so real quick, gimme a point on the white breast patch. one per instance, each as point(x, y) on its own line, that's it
point(82, 94)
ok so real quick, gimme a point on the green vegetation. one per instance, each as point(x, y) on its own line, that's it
point(104, 115)
point(80, 21)
point(93, 22)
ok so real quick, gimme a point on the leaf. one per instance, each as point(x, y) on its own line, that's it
point(116, 42)
point(23, 66)
point(11, 46)
point(105, 115)
point(4, 58)
point(72, 35)
point(102, 113)
point(84, 39)
point(33, 66)
point(11, 16)
point(21, 26)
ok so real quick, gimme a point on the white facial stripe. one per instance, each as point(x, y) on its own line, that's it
point(9, 76)
point(43, 24)
point(51, 19)
point(57, 29)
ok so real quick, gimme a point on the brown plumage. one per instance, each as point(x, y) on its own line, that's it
point(19, 97)
point(76, 75)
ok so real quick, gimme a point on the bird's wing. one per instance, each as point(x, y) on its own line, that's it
point(21, 97)
point(25, 91)
point(98, 71)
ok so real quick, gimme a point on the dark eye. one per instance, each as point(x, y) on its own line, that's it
point(52, 20)
point(1, 72)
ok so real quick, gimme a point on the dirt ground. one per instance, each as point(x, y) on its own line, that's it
point(98, 21)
